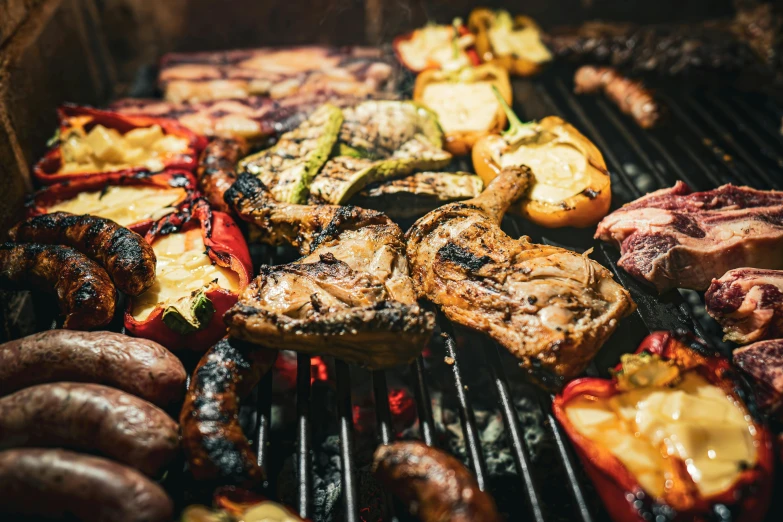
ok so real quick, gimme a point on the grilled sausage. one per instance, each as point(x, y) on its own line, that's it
point(138, 366)
point(90, 417)
point(217, 169)
point(631, 96)
point(85, 294)
point(58, 483)
point(129, 260)
point(433, 485)
point(212, 438)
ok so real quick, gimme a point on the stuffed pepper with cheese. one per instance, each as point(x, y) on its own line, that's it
point(465, 103)
point(436, 47)
point(202, 265)
point(512, 43)
point(134, 201)
point(671, 435)
point(571, 186)
point(93, 142)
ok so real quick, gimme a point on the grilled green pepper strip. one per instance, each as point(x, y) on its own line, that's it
point(380, 140)
point(185, 321)
point(288, 167)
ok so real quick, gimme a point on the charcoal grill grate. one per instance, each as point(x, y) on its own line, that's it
point(713, 136)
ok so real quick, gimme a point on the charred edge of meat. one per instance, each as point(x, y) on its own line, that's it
point(460, 256)
point(247, 192)
point(387, 316)
point(212, 437)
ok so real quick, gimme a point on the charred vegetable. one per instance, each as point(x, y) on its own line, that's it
point(379, 140)
point(512, 43)
point(92, 142)
point(134, 201)
point(202, 264)
point(436, 47)
point(289, 166)
point(670, 433)
point(419, 193)
point(571, 186)
point(465, 103)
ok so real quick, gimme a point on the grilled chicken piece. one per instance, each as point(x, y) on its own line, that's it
point(417, 194)
point(550, 307)
point(349, 296)
point(763, 362)
point(675, 238)
point(274, 72)
point(748, 304)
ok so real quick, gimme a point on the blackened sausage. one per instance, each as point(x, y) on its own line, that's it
point(129, 260)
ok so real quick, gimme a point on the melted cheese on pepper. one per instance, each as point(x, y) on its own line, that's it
point(559, 168)
point(693, 421)
point(462, 107)
point(183, 267)
point(433, 45)
point(103, 149)
point(123, 205)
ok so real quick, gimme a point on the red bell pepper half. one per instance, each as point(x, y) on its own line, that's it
point(181, 183)
point(191, 316)
point(47, 170)
point(438, 55)
point(662, 360)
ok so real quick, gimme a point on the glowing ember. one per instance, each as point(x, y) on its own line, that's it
point(319, 371)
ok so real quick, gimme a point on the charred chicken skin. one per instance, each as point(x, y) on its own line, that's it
point(748, 304)
point(350, 295)
point(675, 238)
point(550, 307)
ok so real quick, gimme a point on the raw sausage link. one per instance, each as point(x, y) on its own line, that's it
point(85, 294)
point(129, 260)
point(212, 438)
point(59, 483)
point(90, 417)
point(217, 169)
point(432, 484)
point(138, 366)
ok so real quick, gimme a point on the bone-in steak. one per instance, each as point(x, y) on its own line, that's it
point(748, 304)
point(763, 362)
point(675, 238)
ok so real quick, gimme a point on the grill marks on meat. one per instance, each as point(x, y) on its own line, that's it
point(138, 366)
point(128, 259)
point(550, 307)
point(214, 444)
point(763, 362)
point(217, 169)
point(58, 483)
point(630, 96)
point(275, 72)
point(90, 417)
point(673, 238)
point(748, 304)
point(85, 294)
point(350, 295)
point(434, 486)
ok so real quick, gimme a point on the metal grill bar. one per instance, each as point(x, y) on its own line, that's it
point(472, 440)
point(344, 411)
point(423, 402)
point(514, 435)
point(263, 418)
point(304, 469)
point(382, 412)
